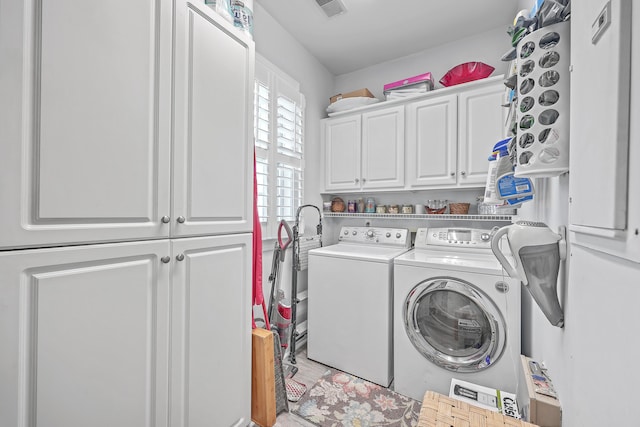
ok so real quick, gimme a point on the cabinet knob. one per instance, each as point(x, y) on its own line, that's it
point(463, 173)
point(357, 180)
point(180, 219)
point(364, 180)
point(165, 259)
point(166, 219)
point(180, 257)
point(453, 174)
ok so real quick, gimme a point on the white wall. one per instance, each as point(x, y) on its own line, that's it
point(487, 47)
point(316, 83)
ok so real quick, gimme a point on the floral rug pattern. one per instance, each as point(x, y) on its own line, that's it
point(342, 400)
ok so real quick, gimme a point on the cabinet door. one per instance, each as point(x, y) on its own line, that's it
point(213, 140)
point(342, 137)
point(431, 142)
point(211, 331)
point(383, 148)
point(85, 336)
point(600, 151)
point(85, 121)
point(480, 125)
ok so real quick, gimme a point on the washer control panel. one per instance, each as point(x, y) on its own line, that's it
point(399, 237)
point(454, 237)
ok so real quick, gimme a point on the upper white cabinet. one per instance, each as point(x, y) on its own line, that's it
point(432, 137)
point(86, 152)
point(86, 121)
point(481, 123)
point(213, 139)
point(450, 137)
point(364, 151)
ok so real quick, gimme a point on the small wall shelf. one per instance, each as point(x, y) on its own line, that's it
point(442, 217)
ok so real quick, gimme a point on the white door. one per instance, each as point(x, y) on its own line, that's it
point(85, 336)
point(84, 121)
point(383, 148)
point(341, 142)
point(431, 142)
point(211, 331)
point(213, 137)
point(481, 123)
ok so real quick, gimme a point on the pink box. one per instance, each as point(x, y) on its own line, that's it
point(411, 80)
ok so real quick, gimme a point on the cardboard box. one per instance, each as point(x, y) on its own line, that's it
point(537, 408)
point(484, 397)
point(360, 92)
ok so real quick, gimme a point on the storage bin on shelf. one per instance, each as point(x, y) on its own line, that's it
point(459, 208)
point(542, 144)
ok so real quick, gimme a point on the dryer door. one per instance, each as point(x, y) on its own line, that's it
point(454, 324)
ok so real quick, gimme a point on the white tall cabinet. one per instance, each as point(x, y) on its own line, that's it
point(125, 214)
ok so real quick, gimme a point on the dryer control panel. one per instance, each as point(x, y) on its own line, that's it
point(476, 238)
point(399, 237)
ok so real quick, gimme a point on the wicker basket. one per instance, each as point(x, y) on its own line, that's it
point(440, 411)
point(459, 208)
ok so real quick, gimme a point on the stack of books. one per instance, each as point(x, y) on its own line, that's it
point(409, 87)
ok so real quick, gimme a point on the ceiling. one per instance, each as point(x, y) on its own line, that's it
point(375, 31)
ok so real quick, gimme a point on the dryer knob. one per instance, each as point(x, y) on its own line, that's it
point(354, 232)
point(485, 237)
point(370, 233)
point(388, 234)
point(398, 235)
point(346, 232)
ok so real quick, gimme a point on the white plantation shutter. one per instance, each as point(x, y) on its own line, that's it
point(279, 136)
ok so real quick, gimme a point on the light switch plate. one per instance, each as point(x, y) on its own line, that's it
point(601, 23)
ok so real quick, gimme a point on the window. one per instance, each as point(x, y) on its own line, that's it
point(279, 142)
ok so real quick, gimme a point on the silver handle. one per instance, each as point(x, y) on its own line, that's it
point(181, 219)
point(463, 173)
point(166, 219)
point(180, 257)
point(165, 259)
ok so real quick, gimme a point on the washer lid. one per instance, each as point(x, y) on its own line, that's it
point(485, 263)
point(359, 252)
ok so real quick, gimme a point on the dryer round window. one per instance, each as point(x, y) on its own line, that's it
point(454, 324)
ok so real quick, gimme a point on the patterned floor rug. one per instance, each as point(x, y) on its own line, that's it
point(340, 399)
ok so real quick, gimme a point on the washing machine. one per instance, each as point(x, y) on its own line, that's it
point(456, 314)
point(350, 292)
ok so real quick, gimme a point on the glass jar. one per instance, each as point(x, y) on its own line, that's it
point(370, 205)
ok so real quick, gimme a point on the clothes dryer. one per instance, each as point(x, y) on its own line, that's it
point(350, 289)
point(456, 314)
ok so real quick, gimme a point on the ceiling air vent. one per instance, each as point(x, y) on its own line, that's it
point(332, 7)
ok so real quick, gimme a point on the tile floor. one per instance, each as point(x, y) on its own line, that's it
point(308, 373)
